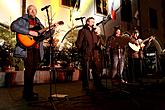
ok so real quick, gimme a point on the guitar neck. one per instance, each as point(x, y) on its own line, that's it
point(146, 39)
point(44, 29)
point(54, 25)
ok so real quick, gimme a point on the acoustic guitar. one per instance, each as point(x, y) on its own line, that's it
point(137, 47)
point(29, 41)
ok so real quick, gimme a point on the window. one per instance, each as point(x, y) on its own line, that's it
point(126, 11)
point(101, 7)
point(153, 18)
point(71, 3)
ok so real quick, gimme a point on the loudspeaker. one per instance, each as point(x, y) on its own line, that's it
point(126, 10)
point(151, 64)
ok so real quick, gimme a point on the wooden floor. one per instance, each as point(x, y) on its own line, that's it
point(150, 95)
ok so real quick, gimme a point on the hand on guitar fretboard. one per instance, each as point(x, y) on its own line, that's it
point(28, 41)
point(140, 43)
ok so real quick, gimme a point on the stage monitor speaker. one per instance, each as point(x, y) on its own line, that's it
point(151, 64)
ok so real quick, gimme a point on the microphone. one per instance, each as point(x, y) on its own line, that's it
point(45, 7)
point(104, 21)
point(79, 18)
point(99, 23)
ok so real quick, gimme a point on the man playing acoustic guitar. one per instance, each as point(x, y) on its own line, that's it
point(32, 55)
point(135, 57)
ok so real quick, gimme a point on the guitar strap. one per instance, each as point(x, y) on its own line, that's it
point(32, 24)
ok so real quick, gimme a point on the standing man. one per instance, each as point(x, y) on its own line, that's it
point(117, 54)
point(32, 56)
point(88, 49)
point(117, 48)
point(135, 57)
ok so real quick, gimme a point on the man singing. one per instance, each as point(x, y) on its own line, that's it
point(87, 46)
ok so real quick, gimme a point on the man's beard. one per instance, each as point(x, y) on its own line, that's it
point(32, 16)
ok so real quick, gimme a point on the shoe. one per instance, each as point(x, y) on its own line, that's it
point(100, 88)
point(115, 82)
point(32, 97)
point(123, 81)
point(35, 94)
point(85, 89)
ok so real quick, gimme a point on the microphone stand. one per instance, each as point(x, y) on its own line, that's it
point(140, 62)
point(82, 21)
point(105, 60)
point(103, 22)
point(52, 72)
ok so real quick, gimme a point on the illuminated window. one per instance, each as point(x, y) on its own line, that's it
point(101, 7)
point(71, 3)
